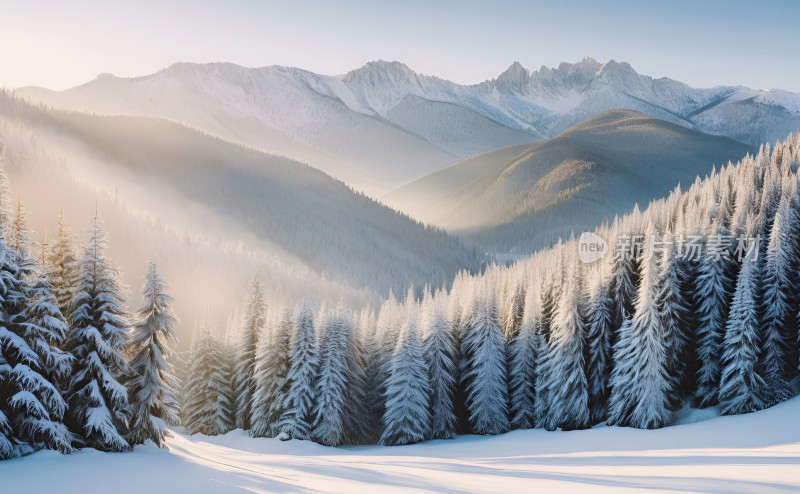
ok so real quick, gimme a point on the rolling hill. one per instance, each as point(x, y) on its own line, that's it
point(520, 198)
point(184, 177)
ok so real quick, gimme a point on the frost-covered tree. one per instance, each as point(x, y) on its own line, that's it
point(598, 341)
point(99, 403)
point(779, 289)
point(484, 368)
point(378, 347)
point(524, 351)
point(564, 380)
point(340, 386)
point(31, 327)
point(713, 288)
point(272, 380)
point(742, 387)
point(63, 266)
point(244, 382)
point(152, 390)
point(673, 310)
point(641, 388)
point(407, 418)
point(304, 362)
point(440, 355)
point(207, 396)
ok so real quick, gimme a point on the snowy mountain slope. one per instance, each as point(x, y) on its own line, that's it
point(523, 197)
point(305, 214)
point(758, 452)
point(383, 124)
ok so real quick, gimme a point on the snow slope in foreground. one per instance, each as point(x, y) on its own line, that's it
point(759, 452)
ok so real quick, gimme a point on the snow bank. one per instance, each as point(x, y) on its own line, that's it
point(758, 452)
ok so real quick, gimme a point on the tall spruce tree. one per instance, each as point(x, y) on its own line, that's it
point(340, 384)
point(99, 403)
point(152, 390)
point(641, 387)
point(243, 380)
point(272, 380)
point(564, 375)
point(778, 289)
point(484, 368)
point(598, 342)
point(440, 354)
point(207, 405)
point(713, 288)
point(304, 362)
point(524, 350)
point(407, 418)
point(742, 386)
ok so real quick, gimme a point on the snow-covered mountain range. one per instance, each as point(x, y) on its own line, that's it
point(383, 125)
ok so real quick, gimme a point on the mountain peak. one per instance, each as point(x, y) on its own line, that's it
point(382, 71)
point(514, 78)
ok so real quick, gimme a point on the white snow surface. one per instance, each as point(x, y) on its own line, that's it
point(758, 452)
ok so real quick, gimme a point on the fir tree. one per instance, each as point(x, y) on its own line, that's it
point(63, 266)
point(712, 290)
point(440, 354)
point(742, 387)
point(99, 403)
point(524, 351)
point(304, 361)
point(598, 365)
point(271, 378)
point(207, 406)
point(563, 364)
point(778, 287)
point(244, 382)
point(484, 367)
point(407, 419)
point(30, 327)
point(674, 322)
point(641, 388)
point(340, 385)
point(152, 389)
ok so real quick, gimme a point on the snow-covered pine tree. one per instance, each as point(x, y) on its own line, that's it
point(713, 289)
point(271, 378)
point(564, 375)
point(243, 381)
point(378, 347)
point(674, 314)
point(598, 341)
point(30, 327)
point(207, 407)
point(440, 354)
point(407, 418)
point(340, 386)
point(63, 265)
point(484, 367)
point(778, 287)
point(524, 351)
point(152, 390)
point(98, 402)
point(641, 388)
point(304, 362)
point(742, 387)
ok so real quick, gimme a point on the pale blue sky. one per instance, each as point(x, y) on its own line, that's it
point(60, 44)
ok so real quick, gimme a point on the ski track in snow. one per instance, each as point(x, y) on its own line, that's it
point(742, 454)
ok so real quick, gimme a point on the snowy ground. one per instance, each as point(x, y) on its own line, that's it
point(753, 453)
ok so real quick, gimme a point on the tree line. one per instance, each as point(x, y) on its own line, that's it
point(696, 303)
